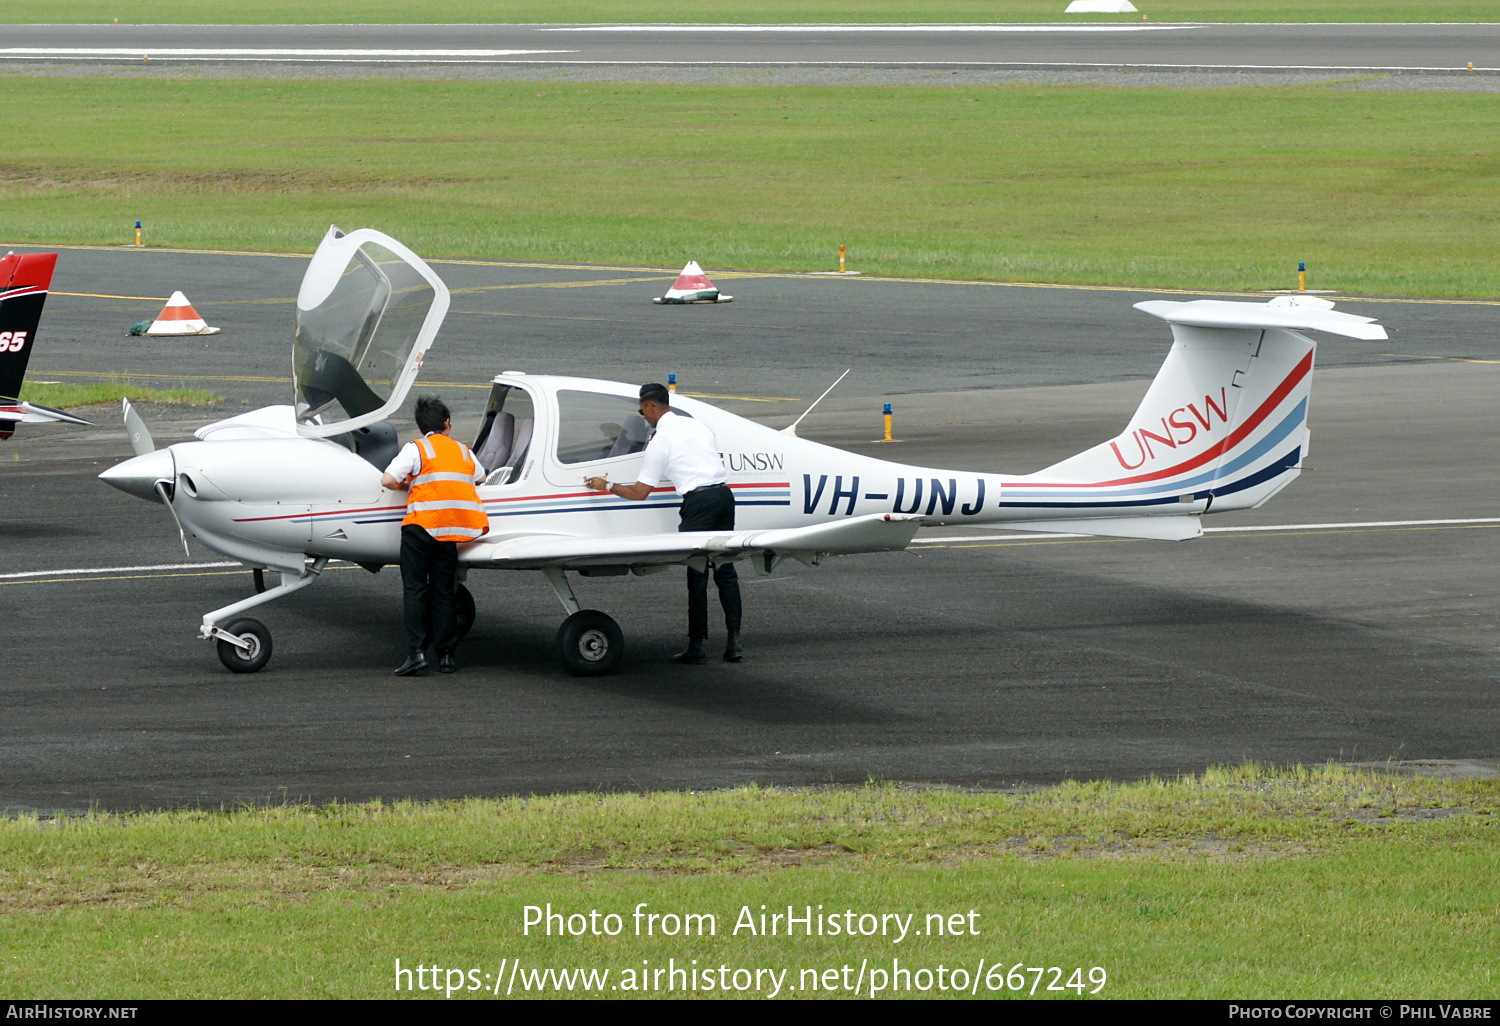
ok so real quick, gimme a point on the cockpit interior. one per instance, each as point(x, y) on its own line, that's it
point(504, 438)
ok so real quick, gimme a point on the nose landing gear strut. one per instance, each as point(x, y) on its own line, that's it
point(244, 644)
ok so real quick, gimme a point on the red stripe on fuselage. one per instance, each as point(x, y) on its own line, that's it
point(512, 498)
point(296, 516)
point(1235, 438)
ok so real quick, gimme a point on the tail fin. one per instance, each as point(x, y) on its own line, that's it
point(24, 281)
point(1223, 425)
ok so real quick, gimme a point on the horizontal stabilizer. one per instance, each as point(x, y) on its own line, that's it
point(877, 532)
point(1183, 528)
point(1295, 312)
point(35, 413)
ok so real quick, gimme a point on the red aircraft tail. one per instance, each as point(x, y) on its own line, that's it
point(24, 281)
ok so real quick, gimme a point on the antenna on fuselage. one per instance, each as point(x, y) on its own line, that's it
point(791, 429)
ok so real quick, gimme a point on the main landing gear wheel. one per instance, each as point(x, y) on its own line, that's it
point(246, 660)
point(463, 610)
point(590, 644)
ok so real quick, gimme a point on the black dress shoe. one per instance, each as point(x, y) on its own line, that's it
point(447, 664)
point(413, 665)
point(732, 651)
point(693, 654)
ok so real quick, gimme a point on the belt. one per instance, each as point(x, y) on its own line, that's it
point(705, 488)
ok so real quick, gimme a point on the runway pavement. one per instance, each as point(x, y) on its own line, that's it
point(1244, 47)
point(983, 663)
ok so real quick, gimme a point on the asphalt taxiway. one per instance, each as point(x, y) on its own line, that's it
point(981, 661)
point(1139, 45)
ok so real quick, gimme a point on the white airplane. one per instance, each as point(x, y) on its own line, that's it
point(24, 281)
point(289, 488)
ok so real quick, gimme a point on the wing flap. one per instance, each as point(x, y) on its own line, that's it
point(878, 532)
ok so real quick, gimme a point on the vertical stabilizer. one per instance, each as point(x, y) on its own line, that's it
point(24, 280)
point(1223, 425)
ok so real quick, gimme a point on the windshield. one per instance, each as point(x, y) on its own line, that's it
point(359, 316)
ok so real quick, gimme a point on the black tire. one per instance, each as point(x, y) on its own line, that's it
point(590, 644)
point(463, 610)
point(237, 659)
point(260, 579)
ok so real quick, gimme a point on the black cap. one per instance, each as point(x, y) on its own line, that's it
point(656, 393)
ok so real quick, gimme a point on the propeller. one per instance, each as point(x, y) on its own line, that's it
point(140, 435)
point(143, 444)
point(166, 500)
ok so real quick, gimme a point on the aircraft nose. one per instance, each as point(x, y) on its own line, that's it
point(138, 476)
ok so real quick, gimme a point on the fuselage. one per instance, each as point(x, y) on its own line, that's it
point(254, 490)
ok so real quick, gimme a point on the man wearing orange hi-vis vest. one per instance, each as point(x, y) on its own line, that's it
point(442, 509)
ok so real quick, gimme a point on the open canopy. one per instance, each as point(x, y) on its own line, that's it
point(367, 311)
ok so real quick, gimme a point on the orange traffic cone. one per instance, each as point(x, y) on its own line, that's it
point(176, 318)
point(693, 286)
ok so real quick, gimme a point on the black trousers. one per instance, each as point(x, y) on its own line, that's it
point(429, 578)
point(711, 509)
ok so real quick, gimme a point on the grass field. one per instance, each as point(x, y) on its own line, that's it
point(719, 11)
point(61, 396)
point(1242, 882)
point(1216, 188)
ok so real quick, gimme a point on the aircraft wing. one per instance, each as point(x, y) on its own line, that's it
point(877, 532)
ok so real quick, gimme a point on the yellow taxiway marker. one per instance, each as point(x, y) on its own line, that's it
point(1449, 359)
point(744, 398)
point(582, 284)
point(134, 376)
point(100, 295)
point(807, 275)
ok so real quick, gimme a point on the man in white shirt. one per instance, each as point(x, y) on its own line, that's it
point(684, 451)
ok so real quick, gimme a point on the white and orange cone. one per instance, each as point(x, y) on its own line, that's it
point(693, 286)
point(176, 318)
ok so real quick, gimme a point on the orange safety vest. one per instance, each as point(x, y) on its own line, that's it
point(443, 500)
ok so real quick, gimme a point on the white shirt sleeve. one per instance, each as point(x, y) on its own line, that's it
point(406, 464)
point(479, 474)
point(654, 466)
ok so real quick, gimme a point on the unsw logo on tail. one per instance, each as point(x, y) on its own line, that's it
point(1177, 420)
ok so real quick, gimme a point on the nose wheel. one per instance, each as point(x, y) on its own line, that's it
point(247, 646)
point(590, 644)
